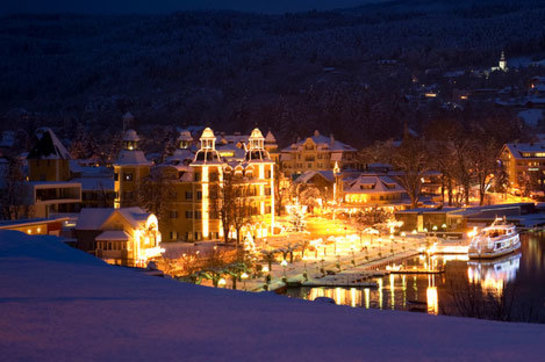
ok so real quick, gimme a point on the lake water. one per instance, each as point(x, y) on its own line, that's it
point(508, 288)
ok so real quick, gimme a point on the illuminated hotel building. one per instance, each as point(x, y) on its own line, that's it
point(524, 164)
point(192, 212)
point(317, 153)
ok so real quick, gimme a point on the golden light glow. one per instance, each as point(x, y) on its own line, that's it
point(432, 300)
point(205, 203)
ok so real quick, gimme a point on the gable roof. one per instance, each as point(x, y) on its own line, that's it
point(309, 175)
point(517, 149)
point(94, 219)
point(321, 142)
point(372, 184)
point(46, 145)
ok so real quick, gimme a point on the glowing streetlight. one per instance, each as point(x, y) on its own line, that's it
point(222, 283)
point(284, 264)
point(244, 276)
point(392, 244)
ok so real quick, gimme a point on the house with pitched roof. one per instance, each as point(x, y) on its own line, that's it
point(372, 189)
point(123, 236)
point(50, 189)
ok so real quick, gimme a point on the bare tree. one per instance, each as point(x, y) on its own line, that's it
point(232, 203)
point(156, 192)
point(484, 164)
point(411, 159)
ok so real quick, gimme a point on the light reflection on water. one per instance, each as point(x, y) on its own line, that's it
point(433, 293)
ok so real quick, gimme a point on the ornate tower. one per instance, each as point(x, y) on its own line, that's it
point(130, 168)
point(503, 62)
point(207, 168)
point(258, 158)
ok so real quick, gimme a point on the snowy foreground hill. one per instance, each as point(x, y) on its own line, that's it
point(57, 303)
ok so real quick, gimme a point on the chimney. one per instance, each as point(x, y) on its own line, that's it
point(331, 139)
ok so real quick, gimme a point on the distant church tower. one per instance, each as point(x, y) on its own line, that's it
point(503, 62)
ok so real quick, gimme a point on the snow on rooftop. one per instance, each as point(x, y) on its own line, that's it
point(93, 219)
point(59, 303)
point(47, 146)
point(132, 157)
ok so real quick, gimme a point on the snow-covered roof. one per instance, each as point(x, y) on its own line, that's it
point(308, 175)
point(321, 142)
point(225, 150)
point(518, 149)
point(180, 156)
point(269, 138)
point(372, 184)
point(94, 218)
point(131, 135)
point(131, 157)
point(134, 215)
point(47, 146)
point(185, 135)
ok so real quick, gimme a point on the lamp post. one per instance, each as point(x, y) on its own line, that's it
point(268, 276)
point(284, 264)
point(244, 276)
point(392, 244)
point(305, 274)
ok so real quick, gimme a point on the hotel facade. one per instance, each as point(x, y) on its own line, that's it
point(193, 187)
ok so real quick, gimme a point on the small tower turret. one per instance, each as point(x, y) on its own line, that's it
point(502, 64)
point(130, 168)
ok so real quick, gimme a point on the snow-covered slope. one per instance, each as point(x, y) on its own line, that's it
point(57, 303)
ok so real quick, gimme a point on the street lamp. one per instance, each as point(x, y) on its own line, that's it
point(392, 244)
point(222, 283)
point(305, 264)
point(244, 276)
point(284, 264)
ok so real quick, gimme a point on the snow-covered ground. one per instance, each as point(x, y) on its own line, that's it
point(57, 303)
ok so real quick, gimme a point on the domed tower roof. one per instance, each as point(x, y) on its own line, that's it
point(256, 149)
point(256, 134)
point(208, 134)
point(131, 135)
point(207, 153)
point(130, 154)
point(185, 135)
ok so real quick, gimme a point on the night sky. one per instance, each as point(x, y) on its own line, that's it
point(166, 6)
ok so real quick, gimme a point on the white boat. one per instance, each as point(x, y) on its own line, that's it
point(500, 238)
